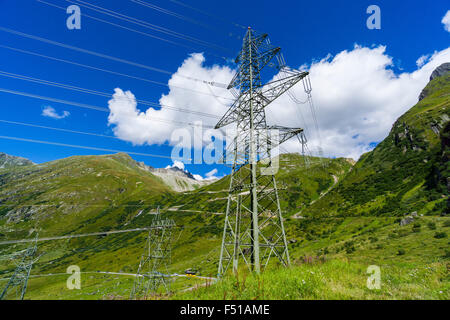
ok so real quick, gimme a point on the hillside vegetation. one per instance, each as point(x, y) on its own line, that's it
point(390, 209)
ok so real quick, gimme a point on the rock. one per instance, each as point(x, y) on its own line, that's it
point(414, 214)
point(406, 221)
point(293, 241)
point(438, 72)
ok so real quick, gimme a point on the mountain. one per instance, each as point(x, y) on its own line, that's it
point(7, 161)
point(408, 171)
point(178, 179)
point(61, 194)
point(389, 209)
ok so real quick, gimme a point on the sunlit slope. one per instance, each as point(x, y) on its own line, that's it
point(407, 171)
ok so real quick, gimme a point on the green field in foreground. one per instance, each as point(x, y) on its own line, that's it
point(317, 279)
point(336, 279)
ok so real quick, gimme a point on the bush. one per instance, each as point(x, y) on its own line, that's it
point(431, 225)
point(350, 249)
point(401, 252)
point(373, 239)
point(440, 235)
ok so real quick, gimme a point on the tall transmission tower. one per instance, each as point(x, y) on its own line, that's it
point(153, 267)
point(17, 284)
point(253, 228)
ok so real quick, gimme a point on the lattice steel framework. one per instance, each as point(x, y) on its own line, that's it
point(253, 228)
point(153, 267)
point(17, 284)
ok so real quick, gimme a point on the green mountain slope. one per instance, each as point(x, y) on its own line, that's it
point(406, 172)
point(333, 210)
point(77, 193)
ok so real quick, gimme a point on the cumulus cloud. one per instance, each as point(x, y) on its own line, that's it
point(422, 60)
point(446, 21)
point(211, 175)
point(176, 164)
point(357, 95)
point(50, 112)
point(157, 126)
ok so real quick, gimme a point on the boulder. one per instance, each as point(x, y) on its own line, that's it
point(406, 221)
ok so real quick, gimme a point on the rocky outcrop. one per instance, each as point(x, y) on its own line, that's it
point(7, 161)
point(438, 72)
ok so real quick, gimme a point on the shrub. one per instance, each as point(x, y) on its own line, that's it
point(401, 252)
point(350, 249)
point(431, 225)
point(440, 235)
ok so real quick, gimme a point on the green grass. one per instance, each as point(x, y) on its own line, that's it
point(350, 224)
point(336, 279)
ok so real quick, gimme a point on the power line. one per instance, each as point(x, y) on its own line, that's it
point(147, 24)
point(101, 55)
point(208, 14)
point(87, 106)
point(135, 31)
point(57, 129)
point(99, 93)
point(75, 236)
point(171, 13)
point(85, 147)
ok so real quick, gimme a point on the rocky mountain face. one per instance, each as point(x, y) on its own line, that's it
point(7, 161)
point(438, 72)
point(177, 179)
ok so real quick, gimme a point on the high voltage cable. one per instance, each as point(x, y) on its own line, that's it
point(57, 129)
point(171, 13)
point(87, 106)
point(76, 235)
point(135, 31)
point(108, 71)
point(208, 14)
point(104, 56)
point(87, 148)
point(146, 24)
point(99, 93)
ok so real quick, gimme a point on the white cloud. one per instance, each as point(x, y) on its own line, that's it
point(156, 126)
point(51, 113)
point(211, 175)
point(446, 21)
point(422, 60)
point(357, 95)
point(176, 164)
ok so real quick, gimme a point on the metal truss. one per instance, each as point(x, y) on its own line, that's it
point(17, 284)
point(153, 267)
point(253, 228)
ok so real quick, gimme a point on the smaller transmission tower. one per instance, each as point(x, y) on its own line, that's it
point(17, 284)
point(153, 266)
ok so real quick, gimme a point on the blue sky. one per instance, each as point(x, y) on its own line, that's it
point(307, 31)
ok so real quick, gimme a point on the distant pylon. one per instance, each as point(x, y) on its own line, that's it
point(18, 282)
point(153, 267)
point(253, 228)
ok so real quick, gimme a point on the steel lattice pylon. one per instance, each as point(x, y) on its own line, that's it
point(253, 228)
point(18, 282)
point(153, 267)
